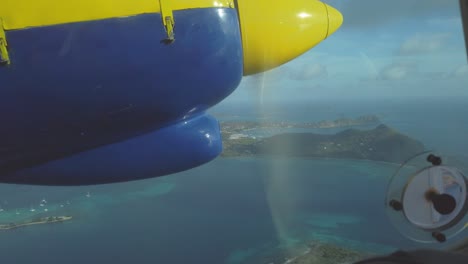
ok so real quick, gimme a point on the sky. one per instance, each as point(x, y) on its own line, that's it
point(398, 48)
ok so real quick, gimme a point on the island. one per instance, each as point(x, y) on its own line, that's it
point(245, 126)
point(312, 252)
point(324, 253)
point(39, 221)
point(380, 143)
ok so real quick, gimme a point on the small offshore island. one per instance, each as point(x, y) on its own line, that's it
point(323, 253)
point(39, 221)
point(379, 144)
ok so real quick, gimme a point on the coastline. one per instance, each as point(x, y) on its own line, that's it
point(325, 253)
point(41, 221)
point(264, 156)
point(380, 144)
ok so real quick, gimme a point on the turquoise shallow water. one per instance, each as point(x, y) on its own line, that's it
point(228, 211)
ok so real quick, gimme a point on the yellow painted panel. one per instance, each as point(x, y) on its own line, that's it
point(17, 14)
point(277, 31)
point(4, 56)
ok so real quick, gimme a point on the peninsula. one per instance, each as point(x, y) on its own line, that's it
point(233, 127)
point(380, 144)
point(322, 253)
point(40, 221)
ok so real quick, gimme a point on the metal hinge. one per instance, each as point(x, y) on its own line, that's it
point(168, 20)
point(4, 57)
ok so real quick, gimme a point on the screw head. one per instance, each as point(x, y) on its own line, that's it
point(396, 205)
point(434, 160)
point(440, 237)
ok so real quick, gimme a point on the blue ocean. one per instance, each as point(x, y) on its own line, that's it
point(235, 210)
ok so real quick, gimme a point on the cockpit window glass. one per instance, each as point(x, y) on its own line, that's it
point(319, 162)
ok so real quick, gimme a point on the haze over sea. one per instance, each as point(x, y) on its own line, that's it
point(234, 210)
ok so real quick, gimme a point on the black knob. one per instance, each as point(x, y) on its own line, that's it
point(436, 161)
point(439, 237)
point(396, 205)
point(443, 203)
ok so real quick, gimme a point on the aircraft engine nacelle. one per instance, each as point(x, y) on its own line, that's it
point(115, 90)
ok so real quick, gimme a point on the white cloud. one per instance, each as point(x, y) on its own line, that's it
point(372, 13)
point(421, 43)
point(445, 22)
point(309, 71)
point(461, 71)
point(398, 71)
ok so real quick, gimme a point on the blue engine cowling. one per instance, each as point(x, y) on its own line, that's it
point(108, 101)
